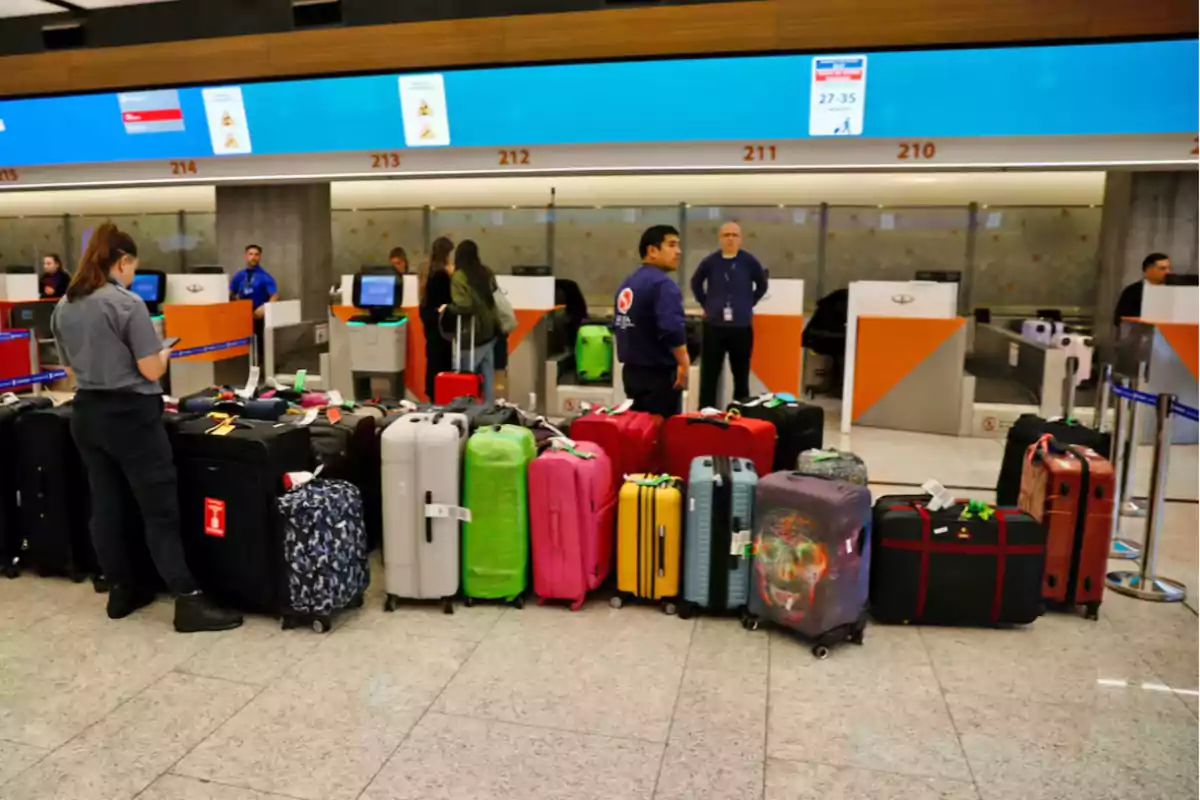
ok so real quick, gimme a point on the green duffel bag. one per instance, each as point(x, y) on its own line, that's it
point(495, 541)
point(594, 353)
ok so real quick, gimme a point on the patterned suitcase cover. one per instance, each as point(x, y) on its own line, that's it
point(572, 502)
point(689, 436)
point(812, 555)
point(837, 465)
point(716, 567)
point(495, 540)
point(324, 549)
point(421, 466)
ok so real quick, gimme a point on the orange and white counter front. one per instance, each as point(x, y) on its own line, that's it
point(1165, 341)
point(214, 344)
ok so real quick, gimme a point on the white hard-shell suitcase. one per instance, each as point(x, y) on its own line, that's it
point(421, 457)
point(1082, 348)
point(1042, 331)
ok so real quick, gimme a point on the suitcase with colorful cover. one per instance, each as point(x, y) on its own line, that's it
point(686, 437)
point(966, 564)
point(720, 514)
point(629, 438)
point(811, 558)
point(649, 539)
point(572, 502)
point(421, 457)
point(837, 465)
point(1069, 490)
point(495, 540)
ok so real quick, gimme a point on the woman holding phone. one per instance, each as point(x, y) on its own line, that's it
point(105, 336)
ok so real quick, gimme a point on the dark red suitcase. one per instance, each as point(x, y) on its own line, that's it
point(1069, 490)
point(688, 436)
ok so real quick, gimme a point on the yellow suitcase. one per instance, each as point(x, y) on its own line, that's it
point(649, 539)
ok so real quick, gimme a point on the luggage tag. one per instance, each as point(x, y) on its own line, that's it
point(443, 511)
point(334, 414)
point(309, 417)
point(335, 398)
point(251, 382)
point(824, 455)
point(727, 314)
point(301, 374)
point(9, 399)
point(568, 446)
point(739, 544)
point(622, 408)
point(940, 497)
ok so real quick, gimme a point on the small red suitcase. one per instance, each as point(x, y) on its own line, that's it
point(1069, 490)
point(689, 436)
point(449, 386)
point(630, 438)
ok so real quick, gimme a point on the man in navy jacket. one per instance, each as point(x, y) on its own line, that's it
point(728, 284)
point(649, 326)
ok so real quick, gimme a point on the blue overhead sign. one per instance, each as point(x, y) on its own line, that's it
point(1068, 90)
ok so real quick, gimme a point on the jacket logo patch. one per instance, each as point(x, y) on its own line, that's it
point(625, 300)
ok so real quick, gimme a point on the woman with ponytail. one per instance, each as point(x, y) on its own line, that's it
point(105, 336)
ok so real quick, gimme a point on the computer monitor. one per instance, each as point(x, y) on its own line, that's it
point(20, 269)
point(939, 275)
point(378, 294)
point(377, 269)
point(1183, 279)
point(206, 269)
point(151, 286)
point(532, 270)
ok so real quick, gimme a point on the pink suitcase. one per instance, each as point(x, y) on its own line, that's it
point(572, 503)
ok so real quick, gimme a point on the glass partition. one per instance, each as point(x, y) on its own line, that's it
point(1037, 256)
point(200, 241)
point(24, 240)
point(367, 236)
point(598, 247)
point(892, 243)
point(159, 237)
point(507, 237)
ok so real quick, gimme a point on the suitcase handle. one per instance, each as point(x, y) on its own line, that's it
point(662, 550)
point(720, 423)
point(428, 519)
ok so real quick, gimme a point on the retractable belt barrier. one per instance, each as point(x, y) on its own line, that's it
point(9, 336)
point(1148, 399)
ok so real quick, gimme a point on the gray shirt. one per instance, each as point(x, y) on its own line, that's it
point(102, 336)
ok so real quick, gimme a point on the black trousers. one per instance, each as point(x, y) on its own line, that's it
point(122, 441)
point(652, 389)
point(719, 341)
point(260, 345)
point(438, 357)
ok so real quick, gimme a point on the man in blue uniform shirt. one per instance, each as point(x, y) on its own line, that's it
point(256, 285)
point(728, 284)
point(649, 326)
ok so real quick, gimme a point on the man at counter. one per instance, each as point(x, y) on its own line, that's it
point(1155, 268)
point(650, 327)
point(256, 285)
point(727, 284)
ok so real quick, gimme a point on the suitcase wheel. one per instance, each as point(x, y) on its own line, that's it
point(577, 604)
point(100, 584)
point(391, 603)
point(357, 602)
point(669, 607)
point(321, 625)
point(1092, 611)
point(616, 601)
point(468, 601)
point(750, 623)
point(518, 602)
point(447, 606)
point(820, 652)
point(11, 571)
point(686, 609)
point(76, 576)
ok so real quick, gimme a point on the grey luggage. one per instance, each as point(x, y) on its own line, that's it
point(837, 465)
point(421, 457)
point(811, 558)
point(716, 566)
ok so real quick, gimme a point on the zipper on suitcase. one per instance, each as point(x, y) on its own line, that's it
point(1080, 524)
point(650, 541)
point(640, 540)
point(722, 533)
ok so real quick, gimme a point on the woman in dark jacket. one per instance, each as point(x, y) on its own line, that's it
point(435, 293)
point(54, 279)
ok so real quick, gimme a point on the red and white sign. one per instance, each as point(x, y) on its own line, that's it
point(214, 517)
point(625, 300)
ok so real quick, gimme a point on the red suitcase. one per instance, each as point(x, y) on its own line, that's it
point(629, 438)
point(449, 386)
point(688, 436)
point(1069, 490)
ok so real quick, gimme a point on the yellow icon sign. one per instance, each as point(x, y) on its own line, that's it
point(424, 110)
point(427, 133)
point(231, 142)
point(226, 120)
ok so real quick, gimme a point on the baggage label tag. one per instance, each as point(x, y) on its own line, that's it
point(251, 382)
point(621, 409)
point(224, 429)
point(9, 399)
point(334, 414)
point(739, 543)
point(727, 314)
point(849, 546)
point(443, 511)
point(824, 455)
point(691, 504)
point(336, 399)
point(940, 497)
point(309, 417)
point(214, 517)
point(790, 601)
point(300, 376)
point(941, 530)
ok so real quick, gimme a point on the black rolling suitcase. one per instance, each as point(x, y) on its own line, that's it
point(348, 449)
point(55, 500)
point(229, 487)
point(955, 566)
point(12, 407)
point(1026, 431)
point(798, 426)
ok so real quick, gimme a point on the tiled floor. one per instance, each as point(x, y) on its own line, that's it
point(542, 703)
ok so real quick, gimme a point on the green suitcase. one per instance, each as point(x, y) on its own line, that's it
point(495, 540)
point(594, 353)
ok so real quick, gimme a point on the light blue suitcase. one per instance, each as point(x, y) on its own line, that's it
point(716, 551)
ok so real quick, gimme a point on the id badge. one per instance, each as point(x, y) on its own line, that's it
point(727, 314)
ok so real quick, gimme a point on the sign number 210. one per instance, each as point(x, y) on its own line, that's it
point(916, 151)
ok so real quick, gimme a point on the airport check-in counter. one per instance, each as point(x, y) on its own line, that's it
point(1164, 340)
point(209, 325)
point(367, 360)
point(1039, 368)
point(905, 354)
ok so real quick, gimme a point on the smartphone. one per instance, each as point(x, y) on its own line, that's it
point(170, 342)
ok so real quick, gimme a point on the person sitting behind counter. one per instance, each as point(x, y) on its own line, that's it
point(54, 279)
point(1155, 269)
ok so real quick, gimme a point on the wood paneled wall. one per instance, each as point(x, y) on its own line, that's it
point(757, 26)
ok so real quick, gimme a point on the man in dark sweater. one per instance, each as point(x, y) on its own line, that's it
point(1155, 268)
point(728, 284)
point(649, 326)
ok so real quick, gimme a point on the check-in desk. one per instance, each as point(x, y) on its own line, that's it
point(532, 299)
point(1164, 338)
point(905, 354)
point(777, 361)
point(18, 287)
point(219, 333)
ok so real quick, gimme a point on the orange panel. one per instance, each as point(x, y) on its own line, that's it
point(777, 349)
point(345, 313)
point(414, 353)
point(527, 320)
point(889, 348)
point(213, 323)
point(1184, 340)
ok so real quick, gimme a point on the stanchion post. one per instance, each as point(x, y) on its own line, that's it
point(1120, 548)
point(1146, 584)
point(1128, 506)
point(34, 361)
point(1103, 397)
point(1069, 387)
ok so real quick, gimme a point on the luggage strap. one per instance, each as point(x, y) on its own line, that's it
point(568, 446)
point(927, 546)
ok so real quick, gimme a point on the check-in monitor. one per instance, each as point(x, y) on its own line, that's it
point(20, 269)
point(151, 286)
point(939, 275)
point(378, 294)
point(206, 269)
point(1183, 279)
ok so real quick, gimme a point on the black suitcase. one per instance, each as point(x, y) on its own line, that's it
point(229, 486)
point(798, 426)
point(54, 496)
point(955, 566)
point(1026, 431)
point(10, 524)
point(349, 450)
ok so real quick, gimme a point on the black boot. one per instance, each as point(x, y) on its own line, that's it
point(124, 600)
point(194, 613)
